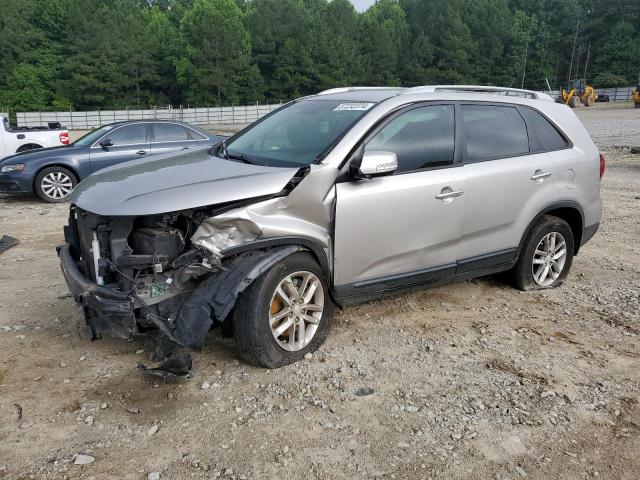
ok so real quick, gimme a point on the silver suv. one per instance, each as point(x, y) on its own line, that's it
point(333, 199)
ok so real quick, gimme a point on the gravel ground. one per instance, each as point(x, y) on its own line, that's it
point(472, 380)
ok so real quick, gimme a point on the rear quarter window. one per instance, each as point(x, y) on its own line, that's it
point(493, 132)
point(548, 135)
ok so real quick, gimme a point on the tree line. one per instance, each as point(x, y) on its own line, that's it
point(89, 54)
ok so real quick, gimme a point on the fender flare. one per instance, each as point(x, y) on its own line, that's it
point(553, 206)
point(314, 247)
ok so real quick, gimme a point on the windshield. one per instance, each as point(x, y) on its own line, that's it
point(296, 135)
point(91, 137)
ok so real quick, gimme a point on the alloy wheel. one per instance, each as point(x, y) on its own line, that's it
point(296, 310)
point(549, 259)
point(56, 185)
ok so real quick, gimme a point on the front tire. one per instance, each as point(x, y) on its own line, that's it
point(55, 184)
point(284, 314)
point(546, 257)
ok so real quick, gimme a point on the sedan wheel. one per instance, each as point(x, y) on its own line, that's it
point(55, 184)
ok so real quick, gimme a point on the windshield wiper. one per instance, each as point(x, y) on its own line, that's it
point(242, 157)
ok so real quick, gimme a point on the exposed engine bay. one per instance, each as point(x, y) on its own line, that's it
point(137, 275)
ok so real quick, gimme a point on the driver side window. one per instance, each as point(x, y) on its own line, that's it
point(423, 137)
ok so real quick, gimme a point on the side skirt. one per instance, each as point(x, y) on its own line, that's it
point(482, 265)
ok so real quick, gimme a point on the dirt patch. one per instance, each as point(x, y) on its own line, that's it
point(473, 380)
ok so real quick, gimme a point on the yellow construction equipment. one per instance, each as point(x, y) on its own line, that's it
point(578, 92)
point(635, 96)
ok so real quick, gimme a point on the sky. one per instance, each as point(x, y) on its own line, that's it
point(362, 5)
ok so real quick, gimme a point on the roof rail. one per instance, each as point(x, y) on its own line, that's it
point(354, 89)
point(516, 92)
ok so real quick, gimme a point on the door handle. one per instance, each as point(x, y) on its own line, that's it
point(185, 148)
point(539, 176)
point(141, 152)
point(450, 194)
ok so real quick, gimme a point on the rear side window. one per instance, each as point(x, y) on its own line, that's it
point(493, 132)
point(548, 135)
point(169, 132)
point(421, 138)
point(129, 135)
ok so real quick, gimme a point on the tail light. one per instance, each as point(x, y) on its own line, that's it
point(64, 138)
point(602, 165)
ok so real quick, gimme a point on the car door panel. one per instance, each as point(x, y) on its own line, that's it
point(502, 198)
point(402, 229)
point(123, 149)
point(396, 226)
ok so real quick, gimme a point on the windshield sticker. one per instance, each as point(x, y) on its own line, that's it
point(360, 107)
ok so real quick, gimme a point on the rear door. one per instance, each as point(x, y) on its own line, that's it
point(173, 137)
point(402, 229)
point(508, 183)
point(130, 142)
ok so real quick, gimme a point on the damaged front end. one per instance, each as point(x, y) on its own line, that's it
point(139, 274)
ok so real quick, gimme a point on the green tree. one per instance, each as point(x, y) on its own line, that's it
point(270, 25)
point(383, 35)
point(106, 61)
point(617, 57)
point(217, 53)
point(25, 89)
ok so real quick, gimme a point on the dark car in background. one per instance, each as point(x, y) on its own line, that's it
point(52, 173)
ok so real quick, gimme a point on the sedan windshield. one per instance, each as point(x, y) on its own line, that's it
point(91, 137)
point(295, 135)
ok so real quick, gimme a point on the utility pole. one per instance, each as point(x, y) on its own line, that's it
point(524, 68)
point(586, 62)
point(573, 50)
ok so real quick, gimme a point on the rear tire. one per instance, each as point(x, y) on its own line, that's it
point(546, 257)
point(256, 321)
point(55, 184)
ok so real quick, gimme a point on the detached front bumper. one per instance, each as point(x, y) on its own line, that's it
point(105, 310)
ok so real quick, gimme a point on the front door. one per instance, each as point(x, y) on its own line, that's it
point(402, 229)
point(129, 142)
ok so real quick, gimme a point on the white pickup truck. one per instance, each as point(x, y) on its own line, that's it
point(21, 139)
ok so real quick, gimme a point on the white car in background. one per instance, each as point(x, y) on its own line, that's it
point(21, 139)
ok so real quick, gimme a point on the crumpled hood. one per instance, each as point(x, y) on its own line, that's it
point(175, 182)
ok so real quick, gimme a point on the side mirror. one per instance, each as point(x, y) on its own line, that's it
point(106, 142)
point(378, 164)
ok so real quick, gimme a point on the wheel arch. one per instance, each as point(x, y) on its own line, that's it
point(571, 212)
point(311, 245)
point(33, 145)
